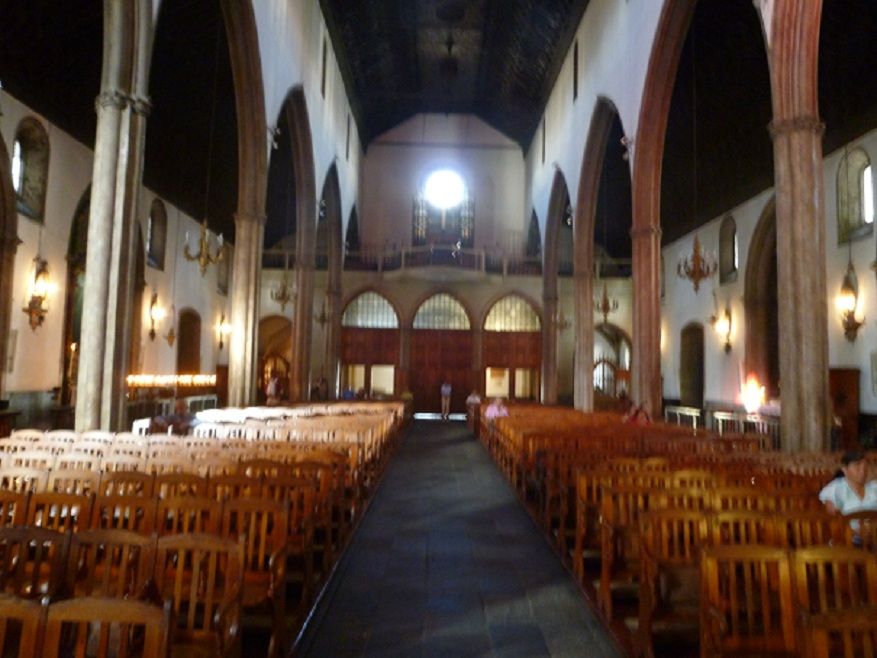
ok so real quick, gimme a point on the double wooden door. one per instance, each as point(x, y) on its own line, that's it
point(437, 356)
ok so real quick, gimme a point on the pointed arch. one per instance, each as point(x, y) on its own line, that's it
point(442, 310)
point(512, 312)
point(760, 302)
point(351, 236)
point(370, 309)
point(691, 365)
point(77, 245)
point(558, 205)
point(30, 167)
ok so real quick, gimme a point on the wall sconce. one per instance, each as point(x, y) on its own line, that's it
point(171, 335)
point(156, 315)
point(37, 305)
point(721, 322)
point(223, 330)
point(847, 301)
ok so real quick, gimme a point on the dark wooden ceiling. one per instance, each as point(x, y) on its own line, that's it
point(505, 54)
point(497, 59)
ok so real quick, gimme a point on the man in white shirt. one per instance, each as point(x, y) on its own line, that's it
point(853, 492)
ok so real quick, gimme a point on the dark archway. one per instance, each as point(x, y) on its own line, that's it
point(761, 303)
point(189, 342)
point(558, 230)
point(275, 346)
point(330, 256)
point(691, 377)
point(76, 257)
point(137, 302)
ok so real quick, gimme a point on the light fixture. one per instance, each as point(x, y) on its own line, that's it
point(721, 322)
point(157, 313)
point(606, 304)
point(697, 267)
point(171, 335)
point(752, 394)
point(847, 301)
point(560, 320)
point(204, 257)
point(284, 293)
point(37, 305)
point(223, 330)
point(322, 317)
point(444, 189)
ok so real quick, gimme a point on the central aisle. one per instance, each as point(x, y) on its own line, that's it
point(447, 563)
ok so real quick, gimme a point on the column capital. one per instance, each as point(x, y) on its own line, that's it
point(779, 127)
point(141, 105)
point(645, 232)
point(111, 98)
point(244, 217)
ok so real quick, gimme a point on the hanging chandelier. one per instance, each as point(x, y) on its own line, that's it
point(606, 304)
point(698, 266)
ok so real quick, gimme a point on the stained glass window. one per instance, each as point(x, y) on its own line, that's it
point(441, 312)
point(512, 313)
point(370, 310)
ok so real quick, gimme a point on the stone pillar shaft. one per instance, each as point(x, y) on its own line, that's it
point(245, 294)
point(333, 339)
point(302, 322)
point(584, 342)
point(549, 350)
point(646, 356)
point(803, 314)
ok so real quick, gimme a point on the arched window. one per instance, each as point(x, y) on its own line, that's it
point(728, 252)
point(534, 238)
point(512, 313)
point(156, 235)
point(855, 196)
point(370, 311)
point(441, 312)
point(30, 167)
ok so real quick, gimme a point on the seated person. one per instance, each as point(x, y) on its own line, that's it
point(179, 422)
point(496, 409)
point(637, 415)
point(474, 399)
point(853, 492)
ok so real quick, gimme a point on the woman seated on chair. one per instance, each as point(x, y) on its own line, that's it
point(854, 491)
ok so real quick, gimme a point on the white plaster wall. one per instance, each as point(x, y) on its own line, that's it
point(398, 162)
point(291, 36)
point(38, 358)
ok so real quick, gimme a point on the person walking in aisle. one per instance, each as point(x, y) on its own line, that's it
point(446, 400)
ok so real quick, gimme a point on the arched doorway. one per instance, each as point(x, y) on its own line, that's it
point(762, 305)
point(512, 349)
point(370, 345)
point(275, 345)
point(611, 371)
point(691, 376)
point(76, 253)
point(189, 343)
point(441, 350)
point(329, 257)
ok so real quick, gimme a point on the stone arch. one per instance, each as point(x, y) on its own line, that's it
point(32, 142)
point(760, 302)
point(76, 259)
point(615, 379)
point(557, 205)
point(274, 347)
point(8, 247)
point(602, 117)
point(351, 235)
point(298, 128)
point(495, 299)
point(328, 235)
point(409, 321)
point(366, 289)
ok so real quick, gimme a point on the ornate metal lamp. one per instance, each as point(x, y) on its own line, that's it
point(37, 306)
point(847, 301)
point(204, 256)
point(223, 330)
point(156, 315)
point(606, 304)
point(698, 266)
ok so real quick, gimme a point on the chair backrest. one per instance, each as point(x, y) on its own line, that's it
point(186, 514)
point(746, 601)
point(168, 464)
point(63, 435)
point(805, 529)
point(113, 563)
point(134, 513)
point(226, 487)
point(199, 574)
point(172, 485)
point(126, 483)
point(843, 633)
point(115, 463)
point(27, 434)
point(265, 468)
point(59, 511)
point(23, 480)
point(741, 528)
point(73, 481)
point(118, 628)
point(830, 578)
point(30, 459)
point(862, 529)
point(673, 536)
point(22, 624)
point(78, 461)
point(13, 507)
point(263, 525)
point(32, 561)
point(97, 436)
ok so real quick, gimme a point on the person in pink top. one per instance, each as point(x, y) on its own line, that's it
point(496, 409)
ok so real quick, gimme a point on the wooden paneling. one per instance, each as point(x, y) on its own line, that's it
point(843, 385)
point(370, 346)
point(512, 349)
point(437, 356)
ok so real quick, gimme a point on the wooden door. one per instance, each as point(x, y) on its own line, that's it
point(439, 355)
point(843, 385)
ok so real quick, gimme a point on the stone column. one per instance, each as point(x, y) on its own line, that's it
point(110, 106)
point(404, 359)
point(803, 314)
point(302, 323)
point(549, 349)
point(478, 361)
point(245, 295)
point(583, 382)
point(646, 357)
point(333, 338)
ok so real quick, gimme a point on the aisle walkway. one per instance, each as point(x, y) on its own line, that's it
point(447, 563)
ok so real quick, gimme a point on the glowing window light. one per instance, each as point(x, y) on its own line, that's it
point(444, 189)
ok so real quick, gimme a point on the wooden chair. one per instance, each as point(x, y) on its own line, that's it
point(227, 487)
point(73, 482)
point(831, 578)
point(78, 461)
point(847, 633)
point(741, 499)
point(111, 563)
point(115, 463)
point(54, 446)
point(188, 514)
point(134, 513)
point(862, 529)
point(27, 434)
point(669, 596)
point(267, 468)
point(160, 465)
point(746, 602)
point(805, 529)
point(42, 459)
point(220, 464)
point(22, 624)
point(69, 436)
point(619, 542)
point(172, 485)
point(32, 561)
point(13, 507)
point(202, 577)
point(300, 496)
point(126, 483)
point(741, 528)
point(97, 436)
point(263, 525)
point(127, 449)
point(59, 511)
point(101, 627)
point(11, 445)
point(23, 480)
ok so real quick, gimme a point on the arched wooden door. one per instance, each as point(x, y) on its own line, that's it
point(691, 366)
point(189, 343)
point(441, 350)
